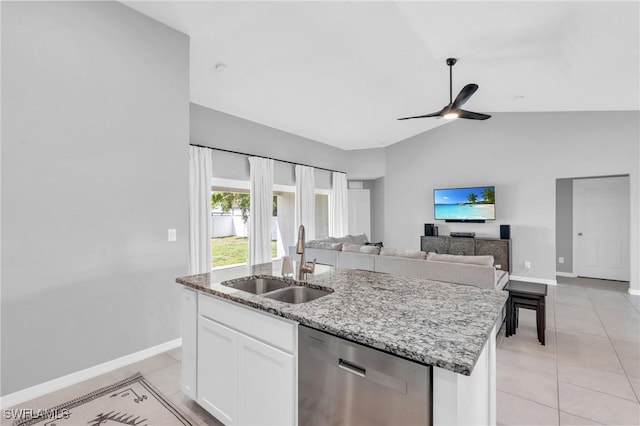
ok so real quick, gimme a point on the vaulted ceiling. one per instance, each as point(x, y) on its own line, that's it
point(341, 73)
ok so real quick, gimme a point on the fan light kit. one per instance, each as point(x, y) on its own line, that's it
point(453, 110)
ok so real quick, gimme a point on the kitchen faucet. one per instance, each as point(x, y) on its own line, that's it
point(305, 268)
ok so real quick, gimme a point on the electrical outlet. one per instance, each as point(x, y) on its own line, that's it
point(527, 264)
point(561, 260)
point(171, 235)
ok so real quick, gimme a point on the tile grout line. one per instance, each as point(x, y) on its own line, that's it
point(555, 336)
point(626, 374)
point(582, 417)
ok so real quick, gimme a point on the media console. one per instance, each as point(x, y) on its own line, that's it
point(499, 249)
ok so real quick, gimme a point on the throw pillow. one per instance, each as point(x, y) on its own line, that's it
point(351, 247)
point(340, 239)
point(370, 249)
point(474, 260)
point(358, 239)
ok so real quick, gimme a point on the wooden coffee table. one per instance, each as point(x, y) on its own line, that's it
point(529, 296)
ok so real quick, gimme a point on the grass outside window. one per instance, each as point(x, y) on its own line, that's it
point(233, 250)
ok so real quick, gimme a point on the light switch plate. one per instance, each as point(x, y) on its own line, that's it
point(171, 235)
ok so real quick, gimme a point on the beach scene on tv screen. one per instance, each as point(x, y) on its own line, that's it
point(465, 203)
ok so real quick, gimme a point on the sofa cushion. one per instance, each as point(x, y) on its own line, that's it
point(357, 248)
point(474, 260)
point(412, 254)
point(324, 244)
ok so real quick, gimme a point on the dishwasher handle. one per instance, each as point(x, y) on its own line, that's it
point(352, 368)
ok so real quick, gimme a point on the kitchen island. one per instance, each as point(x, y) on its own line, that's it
point(448, 326)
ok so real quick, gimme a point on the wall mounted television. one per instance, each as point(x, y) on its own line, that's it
point(473, 204)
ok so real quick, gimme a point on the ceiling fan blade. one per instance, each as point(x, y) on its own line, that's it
point(472, 115)
point(464, 95)
point(435, 114)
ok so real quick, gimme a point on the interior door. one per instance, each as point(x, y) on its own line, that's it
point(601, 227)
point(359, 212)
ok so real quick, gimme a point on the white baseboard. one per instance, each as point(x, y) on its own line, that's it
point(71, 379)
point(533, 280)
point(634, 291)
point(567, 274)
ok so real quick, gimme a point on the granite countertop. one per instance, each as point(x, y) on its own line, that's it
point(433, 323)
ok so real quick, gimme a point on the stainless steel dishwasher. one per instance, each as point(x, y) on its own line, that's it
point(344, 383)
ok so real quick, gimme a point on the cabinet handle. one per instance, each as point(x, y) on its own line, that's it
point(352, 368)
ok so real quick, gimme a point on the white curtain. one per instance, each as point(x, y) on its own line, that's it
point(338, 206)
point(261, 211)
point(305, 201)
point(200, 175)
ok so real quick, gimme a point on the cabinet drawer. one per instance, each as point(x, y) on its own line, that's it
point(278, 332)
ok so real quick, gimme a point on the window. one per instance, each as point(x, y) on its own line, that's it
point(230, 211)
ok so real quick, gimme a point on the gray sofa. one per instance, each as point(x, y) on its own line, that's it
point(469, 270)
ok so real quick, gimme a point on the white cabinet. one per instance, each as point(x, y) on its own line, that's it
point(265, 384)
point(246, 363)
point(189, 302)
point(217, 370)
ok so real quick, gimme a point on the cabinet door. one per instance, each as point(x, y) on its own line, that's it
point(433, 244)
point(266, 384)
point(499, 249)
point(189, 343)
point(461, 246)
point(218, 370)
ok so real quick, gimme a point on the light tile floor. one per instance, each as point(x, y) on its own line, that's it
point(587, 373)
point(589, 370)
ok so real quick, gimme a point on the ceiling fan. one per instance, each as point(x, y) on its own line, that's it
point(453, 110)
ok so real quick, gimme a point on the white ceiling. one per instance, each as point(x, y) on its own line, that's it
point(342, 72)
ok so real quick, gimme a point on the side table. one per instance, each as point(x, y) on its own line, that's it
point(529, 296)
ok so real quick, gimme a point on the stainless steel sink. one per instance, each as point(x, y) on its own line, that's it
point(296, 294)
point(257, 285)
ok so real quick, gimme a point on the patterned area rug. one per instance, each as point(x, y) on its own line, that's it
point(132, 401)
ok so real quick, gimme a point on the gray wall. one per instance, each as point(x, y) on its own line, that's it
point(564, 225)
point(522, 154)
point(366, 164)
point(95, 127)
point(219, 130)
